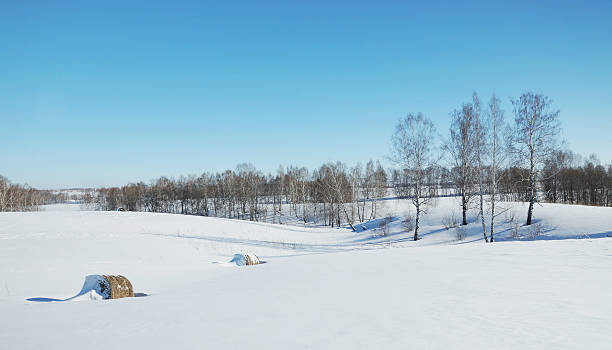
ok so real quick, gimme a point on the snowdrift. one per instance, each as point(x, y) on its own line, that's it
point(99, 287)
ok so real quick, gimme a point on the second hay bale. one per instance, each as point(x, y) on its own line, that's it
point(246, 259)
point(252, 259)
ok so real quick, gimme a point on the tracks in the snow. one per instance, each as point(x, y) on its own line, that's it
point(304, 247)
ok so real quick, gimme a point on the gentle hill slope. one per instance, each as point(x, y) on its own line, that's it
point(320, 287)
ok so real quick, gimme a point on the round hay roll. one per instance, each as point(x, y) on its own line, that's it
point(252, 259)
point(120, 286)
point(114, 286)
point(246, 259)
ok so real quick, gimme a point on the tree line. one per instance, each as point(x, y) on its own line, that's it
point(569, 179)
point(15, 197)
point(333, 194)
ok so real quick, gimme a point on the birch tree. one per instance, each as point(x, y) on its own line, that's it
point(412, 149)
point(368, 188)
point(356, 181)
point(535, 134)
point(480, 145)
point(461, 147)
point(380, 177)
point(498, 155)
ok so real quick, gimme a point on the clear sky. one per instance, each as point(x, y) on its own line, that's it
point(99, 93)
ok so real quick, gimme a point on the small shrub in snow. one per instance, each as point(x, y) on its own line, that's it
point(450, 221)
point(461, 232)
point(514, 230)
point(534, 231)
point(384, 225)
point(408, 223)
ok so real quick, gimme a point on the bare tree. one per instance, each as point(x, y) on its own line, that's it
point(356, 180)
point(368, 188)
point(380, 181)
point(4, 184)
point(302, 177)
point(480, 145)
point(411, 149)
point(535, 135)
point(338, 190)
point(461, 148)
point(498, 155)
point(280, 192)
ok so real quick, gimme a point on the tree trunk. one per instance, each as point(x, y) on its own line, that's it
point(493, 172)
point(464, 208)
point(531, 189)
point(492, 219)
point(484, 226)
point(417, 204)
point(416, 222)
point(530, 211)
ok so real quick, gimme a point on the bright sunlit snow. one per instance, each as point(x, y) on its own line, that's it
point(319, 288)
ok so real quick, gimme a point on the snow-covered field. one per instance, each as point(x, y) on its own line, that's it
point(320, 287)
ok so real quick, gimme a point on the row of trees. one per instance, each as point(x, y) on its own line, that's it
point(478, 148)
point(332, 195)
point(568, 179)
point(15, 197)
point(335, 194)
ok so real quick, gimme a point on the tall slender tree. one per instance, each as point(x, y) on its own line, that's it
point(480, 145)
point(412, 149)
point(496, 123)
point(461, 149)
point(535, 134)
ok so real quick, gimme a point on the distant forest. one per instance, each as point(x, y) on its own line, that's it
point(246, 193)
point(15, 197)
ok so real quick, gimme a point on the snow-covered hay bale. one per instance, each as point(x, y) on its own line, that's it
point(246, 259)
point(120, 286)
point(108, 286)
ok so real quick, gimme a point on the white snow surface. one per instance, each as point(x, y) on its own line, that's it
point(320, 288)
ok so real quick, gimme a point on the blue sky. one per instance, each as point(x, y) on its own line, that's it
point(104, 93)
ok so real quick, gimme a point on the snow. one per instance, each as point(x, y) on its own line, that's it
point(61, 207)
point(320, 287)
point(90, 290)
